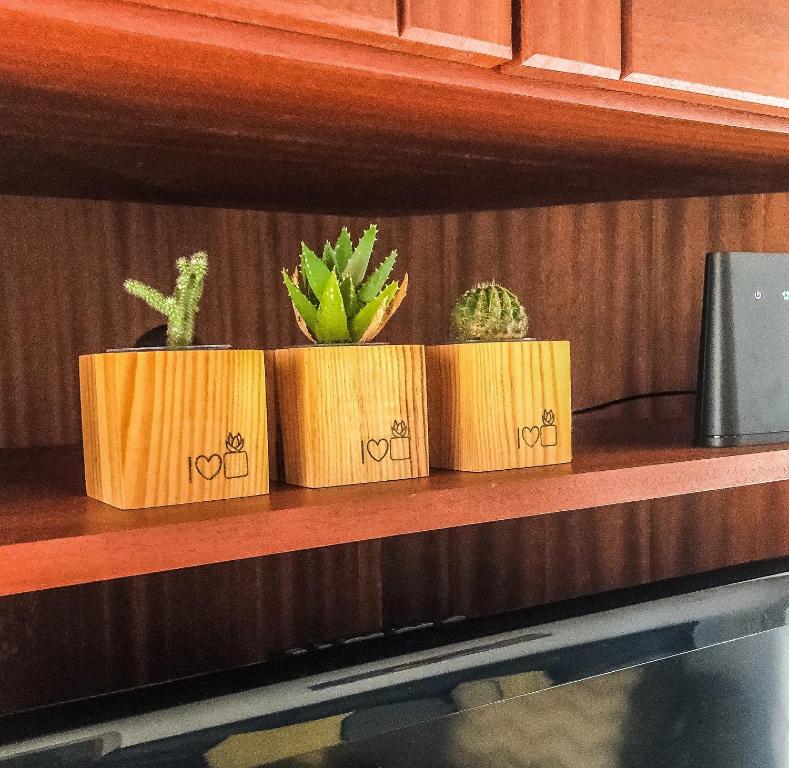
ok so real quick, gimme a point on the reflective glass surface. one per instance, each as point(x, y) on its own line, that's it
point(726, 706)
point(697, 679)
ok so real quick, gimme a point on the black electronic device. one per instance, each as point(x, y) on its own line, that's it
point(743, 383)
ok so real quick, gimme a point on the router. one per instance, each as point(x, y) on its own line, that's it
point(743, 384)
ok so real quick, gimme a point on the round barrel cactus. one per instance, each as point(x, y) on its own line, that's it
point(488, 312)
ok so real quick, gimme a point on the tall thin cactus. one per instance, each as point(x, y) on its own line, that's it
point(182, 306)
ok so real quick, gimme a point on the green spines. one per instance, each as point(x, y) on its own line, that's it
point(315, 272)
point(372, 286)
point(333, 301)
point(488, 312)
point(301, 303)
point(182, 306)
point(343, 251)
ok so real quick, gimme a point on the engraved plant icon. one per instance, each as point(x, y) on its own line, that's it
point(548, 435)
point(399, 445)
point(399, 429)
point(236, 461)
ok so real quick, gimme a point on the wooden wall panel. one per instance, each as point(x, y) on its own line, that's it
point(81, 641)
point(472, 31)
point(579, 36)
point(486, 569)
point(737, 49)
point(621, 281)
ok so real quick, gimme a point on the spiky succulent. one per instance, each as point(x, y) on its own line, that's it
point(333, 301)
point(488, 312)
point(181, 307)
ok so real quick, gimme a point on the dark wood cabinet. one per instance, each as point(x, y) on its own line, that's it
point(578, 36)
point(94, 638)
point(737, 49)
point(354, 20)
point(471, 31)
point(73, 642)
point(486, 569)
point(327, 113)
point(214, 104)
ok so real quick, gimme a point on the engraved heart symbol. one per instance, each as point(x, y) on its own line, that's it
point(208, 466)
point(530, 435)
point(378, 448)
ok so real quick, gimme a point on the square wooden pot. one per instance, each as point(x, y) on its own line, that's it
point(175, 426)
point(499, 405)
point(352, 414)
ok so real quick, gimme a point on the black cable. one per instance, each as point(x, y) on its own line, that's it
point(629, 398)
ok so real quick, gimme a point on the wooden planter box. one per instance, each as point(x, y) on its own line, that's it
point(170, 427)
point(352, 414)
point(499, 405)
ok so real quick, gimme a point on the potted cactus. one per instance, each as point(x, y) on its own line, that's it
point(497, 399)
point(175, 423)
point(349, 412)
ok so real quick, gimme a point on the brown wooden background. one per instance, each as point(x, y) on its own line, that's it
point(622, 281)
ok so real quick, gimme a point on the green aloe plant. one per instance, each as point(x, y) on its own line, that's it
point(334, 299)
point(181, 307)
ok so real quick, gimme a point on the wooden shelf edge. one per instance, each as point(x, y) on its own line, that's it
point(176, 26)
point(178, 107)
point(109, 544)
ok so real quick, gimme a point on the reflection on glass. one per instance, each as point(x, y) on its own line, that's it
point(535, 696)
point(721, 707)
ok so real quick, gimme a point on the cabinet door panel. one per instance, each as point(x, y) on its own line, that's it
point(579, 36)
point(475, 32)
point(355, 20)
point(732, 48)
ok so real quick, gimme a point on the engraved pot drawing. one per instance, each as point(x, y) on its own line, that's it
point(399, 444)
point(548, 429)
point(236, 461)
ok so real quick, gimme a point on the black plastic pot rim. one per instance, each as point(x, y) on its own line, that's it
point(489, 341)
point(205, 347)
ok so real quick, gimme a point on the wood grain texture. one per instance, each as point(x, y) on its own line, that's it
point(470, 31)
point(69, 643)
point(578, 36)
point(52, 535)
point(486, 569)
point(352, 414)
point(621, 281)
point(173, 427)
point(728, 48)
point(79, 641)
point(499, 405)
point(369, 21)
point(177, 107)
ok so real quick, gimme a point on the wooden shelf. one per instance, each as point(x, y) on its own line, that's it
point(51, 535)
point(169, 106)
